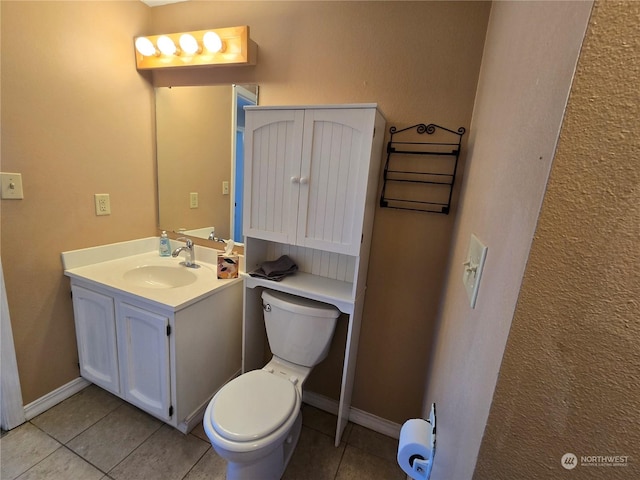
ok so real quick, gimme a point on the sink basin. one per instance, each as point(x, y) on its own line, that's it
point(156, 276)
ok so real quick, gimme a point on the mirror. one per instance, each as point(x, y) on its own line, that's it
point(199, 154)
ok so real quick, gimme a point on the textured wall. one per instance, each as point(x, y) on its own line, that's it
point(529, 59)
point(570, 379)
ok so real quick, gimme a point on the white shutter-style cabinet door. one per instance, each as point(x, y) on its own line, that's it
point(333, 178)
point(143, 346)
point(273, 146)
point(95, 320)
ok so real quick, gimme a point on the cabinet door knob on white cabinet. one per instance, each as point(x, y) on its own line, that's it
point(307, 173)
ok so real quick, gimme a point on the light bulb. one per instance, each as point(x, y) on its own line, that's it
point(212, 42)
point(189, 44)
point(145, 47)
point(166, 45)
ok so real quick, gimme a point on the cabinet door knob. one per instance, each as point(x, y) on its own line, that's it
point(295, 179)
point(304, 180)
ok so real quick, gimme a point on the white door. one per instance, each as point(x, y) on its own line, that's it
point(273, 146)
point(143, 346)
point(96, 336)
point(333, 178)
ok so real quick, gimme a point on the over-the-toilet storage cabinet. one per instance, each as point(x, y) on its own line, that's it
point(311, 180)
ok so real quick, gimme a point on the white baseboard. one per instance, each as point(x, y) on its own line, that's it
point(375, 423)
point(51, 399)
point(197, 415)
point(357, 416)
point(321, 402)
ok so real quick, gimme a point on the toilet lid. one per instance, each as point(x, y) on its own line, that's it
point(252, 406)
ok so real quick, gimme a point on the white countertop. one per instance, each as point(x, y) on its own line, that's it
point(105, 267)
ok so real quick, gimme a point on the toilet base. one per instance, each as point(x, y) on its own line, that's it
point(271, 466)
point(291, 442)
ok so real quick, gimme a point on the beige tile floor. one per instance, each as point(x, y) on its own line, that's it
point(95, 435)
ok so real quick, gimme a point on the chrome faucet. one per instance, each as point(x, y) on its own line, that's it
point(190, 261)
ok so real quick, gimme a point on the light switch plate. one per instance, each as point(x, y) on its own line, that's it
point(193, 200)
point(12, 186)
point(473, 268)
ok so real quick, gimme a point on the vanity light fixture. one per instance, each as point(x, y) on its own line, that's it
point(213, 42)
point(189, 44)
point(145, 47)
point(219, 46)
point(166, 46)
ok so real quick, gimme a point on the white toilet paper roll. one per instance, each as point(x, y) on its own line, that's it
point(415, 444)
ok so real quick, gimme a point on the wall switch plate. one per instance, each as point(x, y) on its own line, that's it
point(225, 188)
point(11, 186)
point(103, 204)
point(473, 268)
point(193, 200)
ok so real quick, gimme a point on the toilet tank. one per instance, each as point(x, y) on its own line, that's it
point(299, 329)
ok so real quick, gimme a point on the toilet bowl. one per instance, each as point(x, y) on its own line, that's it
point(254, 421)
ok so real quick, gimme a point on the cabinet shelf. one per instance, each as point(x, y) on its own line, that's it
point(315, 287)
point(428, 182)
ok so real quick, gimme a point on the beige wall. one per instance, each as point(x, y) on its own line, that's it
point(570, 380)
point(530, 54)
point(418, 60)
point(193, 149)
point(76, 120)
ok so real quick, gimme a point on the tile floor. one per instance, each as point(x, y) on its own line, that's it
point(95, 435)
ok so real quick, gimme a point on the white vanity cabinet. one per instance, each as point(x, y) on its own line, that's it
point(95, 320)
point(306, 175)
point(311, 188)
point(143, 354)
point(165, 360)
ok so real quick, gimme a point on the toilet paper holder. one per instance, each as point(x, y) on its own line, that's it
point(418, 435)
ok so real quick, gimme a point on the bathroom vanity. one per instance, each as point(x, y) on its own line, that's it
point(159, 335)
point(311, 185)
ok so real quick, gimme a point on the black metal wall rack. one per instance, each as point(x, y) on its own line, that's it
point(420, 175)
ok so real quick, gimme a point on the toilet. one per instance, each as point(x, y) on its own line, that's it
point(254, 421)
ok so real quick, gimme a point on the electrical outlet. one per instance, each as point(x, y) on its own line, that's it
point(193, 200)
point(225, 188)
point(103, 204)
point(12, 186)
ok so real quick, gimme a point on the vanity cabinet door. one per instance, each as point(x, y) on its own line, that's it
point(273, 149)
point(95, 322)
point(143, 346)
point(333, 178)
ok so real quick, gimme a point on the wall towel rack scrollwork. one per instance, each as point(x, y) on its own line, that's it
point(420, 175)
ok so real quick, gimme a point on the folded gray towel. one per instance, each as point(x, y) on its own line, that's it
point(276, 270)
point(281, 265)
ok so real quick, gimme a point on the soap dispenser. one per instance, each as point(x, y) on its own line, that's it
point(165, 246)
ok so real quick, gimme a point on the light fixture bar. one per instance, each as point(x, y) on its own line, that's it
point(236, 48)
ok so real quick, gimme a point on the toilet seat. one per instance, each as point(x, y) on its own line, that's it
point(252, 406)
